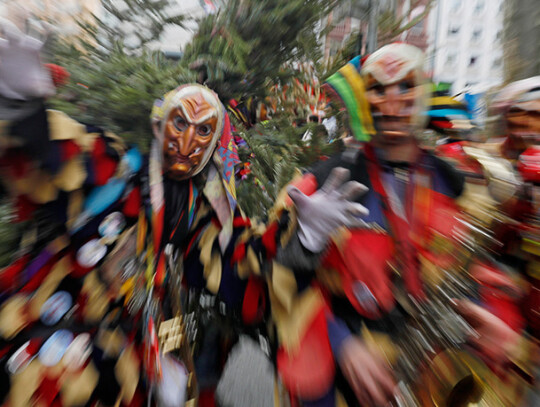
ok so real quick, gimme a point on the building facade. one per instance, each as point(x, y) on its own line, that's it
point(65, 15)
point(352, 18)
point(418, 34)
point(465, 44)
point(347, 19)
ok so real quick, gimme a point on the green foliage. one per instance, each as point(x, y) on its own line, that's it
point(247, 49)
point(275, 154)
point(115, 75)
point(242, 49)
point(117, 92)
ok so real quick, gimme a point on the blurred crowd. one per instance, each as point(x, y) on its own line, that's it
point(403, 270)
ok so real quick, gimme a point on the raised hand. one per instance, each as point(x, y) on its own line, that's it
point(331, 207)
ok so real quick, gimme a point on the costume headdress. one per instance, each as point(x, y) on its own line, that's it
point(347, 86)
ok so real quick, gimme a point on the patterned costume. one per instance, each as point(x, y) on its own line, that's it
point(67, 336)
point(115, 245)
point(357, 284)
point(508, 166)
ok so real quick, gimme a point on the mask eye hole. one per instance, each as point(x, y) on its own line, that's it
point(378, 89)
point(204, 129)
point(405, 86)
point(180, 123)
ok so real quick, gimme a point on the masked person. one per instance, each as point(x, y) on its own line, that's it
point(508, 165)
point(106, 240)
point(194, 212)
point(62, 341)
point(332, 288)
point(521, 112)
point(518, 108)
point(125, 259)
point(518, 105)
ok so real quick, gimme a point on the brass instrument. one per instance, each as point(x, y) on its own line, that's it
point(434, 367)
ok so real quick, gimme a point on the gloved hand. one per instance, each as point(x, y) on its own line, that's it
point(331, 207)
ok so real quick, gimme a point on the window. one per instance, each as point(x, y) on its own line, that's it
point(418, 28)
point(453, 30)
point(497, 63)
point(451, 59)
point(479, 7)
point(456, 5)
point(341, 11)
point(476, 35)
point(334, 47)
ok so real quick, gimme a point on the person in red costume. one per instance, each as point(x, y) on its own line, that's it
point(332, 287)
point(518, 105)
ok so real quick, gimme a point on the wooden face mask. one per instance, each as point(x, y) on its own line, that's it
point(393, 107)
point(191, 128)
point(523, 118)
point(395, 91)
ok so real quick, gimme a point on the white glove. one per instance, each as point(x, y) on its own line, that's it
point(331, 207)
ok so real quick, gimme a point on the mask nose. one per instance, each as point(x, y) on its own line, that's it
point(393, 104)
point(187, 142)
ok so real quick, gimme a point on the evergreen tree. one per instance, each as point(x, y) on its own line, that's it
point(117, 91)
point(250, 48)
point(115, 72)
point(243, 49)
point(275, 153)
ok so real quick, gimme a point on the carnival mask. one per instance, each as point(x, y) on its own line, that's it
point(523, 118)
point(395, 91)
point(518, 104)
point(191, 127)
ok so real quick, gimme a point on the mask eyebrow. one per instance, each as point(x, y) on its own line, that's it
point(204, 118)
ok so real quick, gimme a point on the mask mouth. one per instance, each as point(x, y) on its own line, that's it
point(393, 122)
point(392, 125)
point(182, 159)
